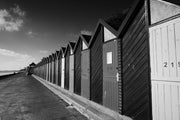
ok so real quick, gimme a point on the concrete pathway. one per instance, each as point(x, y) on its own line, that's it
point(24, 98)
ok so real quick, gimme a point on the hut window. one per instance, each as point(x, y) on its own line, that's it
point(108, 35)
point(109, 57)
point(84, 45)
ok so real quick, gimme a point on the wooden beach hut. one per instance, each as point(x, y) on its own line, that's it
point(70, 65)
point(103, 63)
point(85, 66)
point(148, 56)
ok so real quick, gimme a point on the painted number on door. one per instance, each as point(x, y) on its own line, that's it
point(172, 64)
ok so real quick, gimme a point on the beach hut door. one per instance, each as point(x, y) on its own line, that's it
point(110, 79)
point(85, 74)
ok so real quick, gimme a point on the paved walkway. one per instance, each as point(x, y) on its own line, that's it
point(24, 98)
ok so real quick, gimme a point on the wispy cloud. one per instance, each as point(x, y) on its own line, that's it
point(86, 32)
point(12, 19)
point(44, 51)
point(31, 34)
point(17, 61)
point(17, 10)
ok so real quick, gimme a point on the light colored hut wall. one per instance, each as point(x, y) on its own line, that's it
point(161, 10)
point(165, 70)
point(49, 71)
point(46, 71)
point(62, 71)
point(57, 67)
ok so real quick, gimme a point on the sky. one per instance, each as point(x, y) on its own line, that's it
point(33, 29)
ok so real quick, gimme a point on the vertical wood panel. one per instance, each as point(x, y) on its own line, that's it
point(161, 101)
point(165, 98)
point(155, 54)
point(152, 53)
point(177, 33)
point(175, 103)
point(172, 55)
point(159, 51)
point(168, 110)
point(153, 101)
point(165, 52)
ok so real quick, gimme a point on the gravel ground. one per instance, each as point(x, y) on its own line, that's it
point(24, 98)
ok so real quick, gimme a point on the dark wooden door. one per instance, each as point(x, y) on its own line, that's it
point(85, 74)
point(110, 75)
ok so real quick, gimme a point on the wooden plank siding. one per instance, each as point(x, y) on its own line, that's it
point(77, 68)
point(96, 70)
point(135, 69)
point(66, 82)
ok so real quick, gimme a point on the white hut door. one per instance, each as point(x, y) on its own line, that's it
point(165, 70)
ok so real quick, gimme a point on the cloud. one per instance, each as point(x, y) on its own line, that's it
point(18, 11)
point(12, 19)
point(14, 60)
point(44, 51)
point(31, 34)
point(86, 32)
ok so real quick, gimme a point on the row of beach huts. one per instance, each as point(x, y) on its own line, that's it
point(130, 64)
